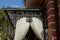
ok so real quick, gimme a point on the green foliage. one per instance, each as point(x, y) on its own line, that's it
point(4, 23)
point(3, 34)
point(2, 17)
point(2, 13)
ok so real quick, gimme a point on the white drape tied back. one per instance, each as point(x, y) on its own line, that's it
point(37, 27)
point(22, 28)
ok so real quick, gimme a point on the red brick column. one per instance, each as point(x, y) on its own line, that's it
point(51, 20)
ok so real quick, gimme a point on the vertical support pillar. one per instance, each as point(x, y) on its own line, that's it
point(58, 3)
point(56, 19)
point(44, 22)
point(51, 20)
point(44, 27)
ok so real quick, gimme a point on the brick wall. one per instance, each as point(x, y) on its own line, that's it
point(51, 18)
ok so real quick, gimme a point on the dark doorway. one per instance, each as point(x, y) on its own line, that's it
point(31, 35)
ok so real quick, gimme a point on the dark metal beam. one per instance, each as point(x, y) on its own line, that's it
point(9, 18)
point(24, 9)
point(56, 19)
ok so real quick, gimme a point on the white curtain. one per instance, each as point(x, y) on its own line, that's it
point(21, 29)
point(37, 27)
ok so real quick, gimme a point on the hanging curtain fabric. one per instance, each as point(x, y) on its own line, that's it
point(37, 27)
point(21, 29)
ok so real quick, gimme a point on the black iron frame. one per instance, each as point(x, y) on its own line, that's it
point(43, 10)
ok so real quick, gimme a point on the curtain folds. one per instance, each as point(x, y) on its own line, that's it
point(37, 27)
point(22, 28)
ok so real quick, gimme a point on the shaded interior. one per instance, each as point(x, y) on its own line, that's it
point(31, 35)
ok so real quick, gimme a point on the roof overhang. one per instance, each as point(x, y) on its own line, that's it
point(24, 9)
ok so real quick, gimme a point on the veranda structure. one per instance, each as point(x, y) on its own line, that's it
point(14, 14)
